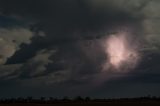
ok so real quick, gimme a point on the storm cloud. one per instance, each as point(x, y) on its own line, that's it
point(62, 40)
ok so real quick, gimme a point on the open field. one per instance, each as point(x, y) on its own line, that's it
point(114, 103)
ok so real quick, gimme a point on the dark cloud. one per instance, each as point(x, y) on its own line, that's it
point(64, 40)
point(72, 29)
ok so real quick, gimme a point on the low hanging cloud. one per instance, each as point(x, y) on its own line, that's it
point(38, 64)
point(74, 30)
point(11, 40)
point(9, 71)
point(37, 72)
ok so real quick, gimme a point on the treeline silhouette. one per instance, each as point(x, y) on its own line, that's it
point(76, 99)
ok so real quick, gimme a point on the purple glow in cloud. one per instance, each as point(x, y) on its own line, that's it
point(120, 52)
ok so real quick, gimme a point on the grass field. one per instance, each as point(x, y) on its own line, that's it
point(114, 103)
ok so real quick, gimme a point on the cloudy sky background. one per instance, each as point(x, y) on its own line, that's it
point(53, 47)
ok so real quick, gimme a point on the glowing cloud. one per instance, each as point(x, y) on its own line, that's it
point(120, 53)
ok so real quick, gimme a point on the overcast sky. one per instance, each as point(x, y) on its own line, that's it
point(55, 47)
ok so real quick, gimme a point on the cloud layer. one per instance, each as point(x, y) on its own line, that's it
point(69, 48)
point(11, 39)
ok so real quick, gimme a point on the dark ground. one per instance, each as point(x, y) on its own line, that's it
point(79, 101)
point(110, 103)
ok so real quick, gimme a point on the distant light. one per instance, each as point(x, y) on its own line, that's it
point(120, 52)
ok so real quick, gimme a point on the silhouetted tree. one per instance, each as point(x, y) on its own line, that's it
point(79, 98)
point(66, 98)
point(29, 99)
point(20, 99)
point(42, 99)
point(87, 99)
point(51, 99)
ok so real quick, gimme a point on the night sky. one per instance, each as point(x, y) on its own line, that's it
point(96, 48)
